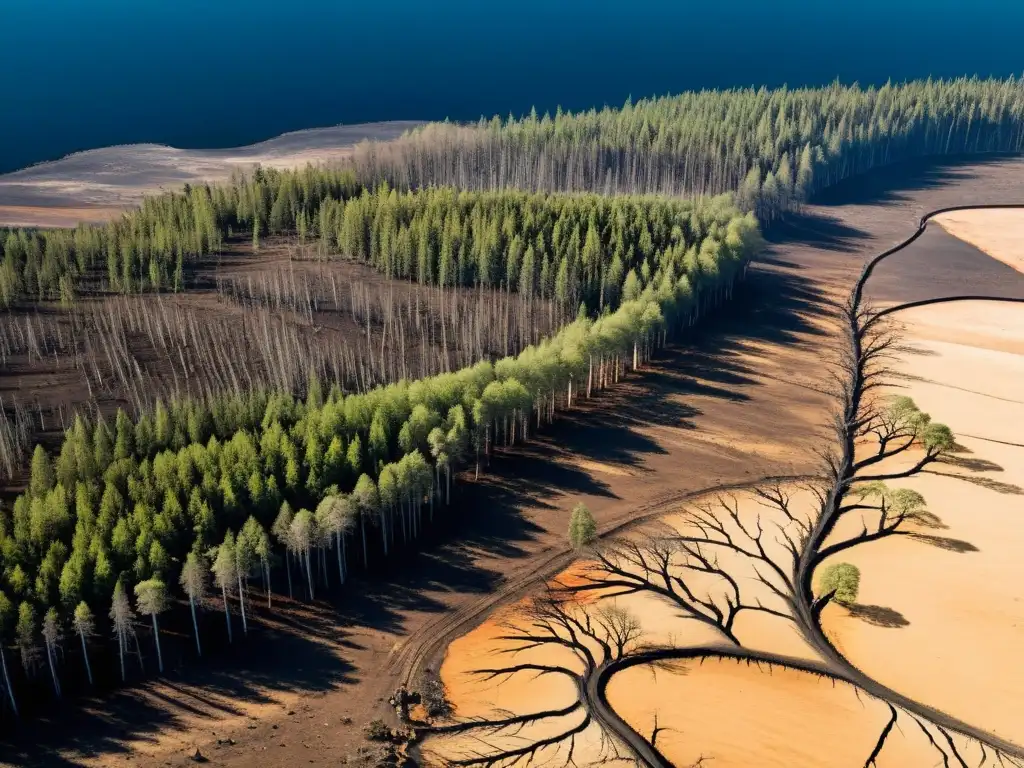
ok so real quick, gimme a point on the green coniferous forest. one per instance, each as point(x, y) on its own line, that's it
point(774, 147)
point(292, 489)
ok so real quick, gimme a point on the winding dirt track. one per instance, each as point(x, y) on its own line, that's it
point(596, 694)
point(408, 661)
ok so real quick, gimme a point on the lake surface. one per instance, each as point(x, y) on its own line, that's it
point(213, 73)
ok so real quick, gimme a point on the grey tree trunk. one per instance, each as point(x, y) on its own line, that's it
point(288, 570)
point(227, 612)
point(53, 670)
point(120, 651)
point(159, 655)
point(7, 683)
point(85, 655)
point(309, 574)
point(362, 525)
point(195, 624)
point(241, 602)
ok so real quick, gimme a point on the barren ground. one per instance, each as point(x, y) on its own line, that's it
point(942, 613)
point(999, 232)
point(99, 184)
point(743, 400)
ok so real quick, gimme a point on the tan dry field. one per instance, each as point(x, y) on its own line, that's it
point(942, 614)
point(100, 184)
point(743, 400)
point(999, 232)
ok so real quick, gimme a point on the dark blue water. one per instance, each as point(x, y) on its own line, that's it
point(76, 74)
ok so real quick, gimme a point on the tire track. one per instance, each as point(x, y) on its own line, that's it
point(417, 653)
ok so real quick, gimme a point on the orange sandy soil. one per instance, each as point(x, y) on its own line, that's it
point(999, 232)
point(663, 625)
point(739, 716)
point(942, 613)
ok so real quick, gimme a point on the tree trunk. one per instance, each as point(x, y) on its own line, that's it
point(288, 570)
point(241, 603)
point(362, 525)
point(448, 485)
point(195, 624)
point(7, 683)
point(341, 566)
point(266, 580)
point(227, 614)
point(85, 655)
point(309, 574)
point(53, 670)
point(138, 649)
point(156, 636)
point(120, 653)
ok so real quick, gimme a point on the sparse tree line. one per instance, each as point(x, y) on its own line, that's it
point(774, 146)
point(137, 348)
point(241, 487)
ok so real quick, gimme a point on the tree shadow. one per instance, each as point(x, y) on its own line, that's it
point(813, 229)
point(892, 183)
point(969, 463)
point(878, 615)
point(984, 482)
point(261, 669)
point(944, 542)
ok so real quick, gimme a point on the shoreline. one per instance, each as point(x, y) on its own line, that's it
point(97, 185)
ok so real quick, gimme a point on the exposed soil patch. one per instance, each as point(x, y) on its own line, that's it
point(953, 618)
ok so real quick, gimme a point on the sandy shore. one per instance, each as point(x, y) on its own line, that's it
point(999, 232)
point(99, 184)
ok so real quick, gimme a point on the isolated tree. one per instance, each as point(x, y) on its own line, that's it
point(51, 636)
point(151, 596)
point(842, 581)
point(193, 581)
point(224, 573)
point(7, 619)
point(123, 618)
point(85, 626)
point(582, 528)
